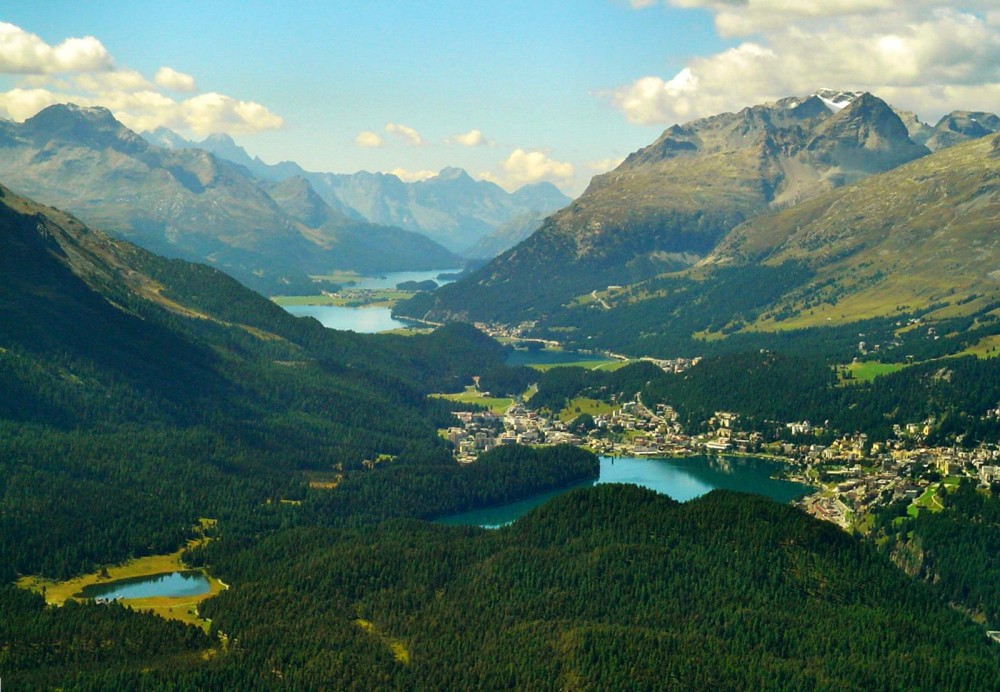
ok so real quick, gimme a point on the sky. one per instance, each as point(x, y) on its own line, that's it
point(512, 91)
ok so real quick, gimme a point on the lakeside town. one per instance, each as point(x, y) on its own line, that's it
point(852, 476)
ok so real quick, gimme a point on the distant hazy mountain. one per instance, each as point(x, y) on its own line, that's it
point(668, 204)
point(506, 236)
point(189, 203)
point(451, 208)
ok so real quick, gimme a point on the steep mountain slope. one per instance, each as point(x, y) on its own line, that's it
point(359, 245)
point(179, 202)
point(668, 204)
point(921, 235)
point(505, 236)
point(904, 261)
point(451, 207)
point(961, 126)
point(158, 390)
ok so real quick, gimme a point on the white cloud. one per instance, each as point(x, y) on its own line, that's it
point(20, 104)
point(212, 112)
point(530, 166)
point(80, 70)
point(412, 176)
point(912, 54)
point(169, 78)
point(110, 80)
point(22, 52)
point(368, 140)
point(407, 133)
point(604, 165)
point(146, 110)
point(472, 138)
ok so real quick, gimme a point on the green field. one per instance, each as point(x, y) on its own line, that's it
point(471, 395)
point(610, 364)
point(582, 405)
point(868, 370)
point(382, 297)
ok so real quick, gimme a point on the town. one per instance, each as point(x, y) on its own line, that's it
point(852, 476)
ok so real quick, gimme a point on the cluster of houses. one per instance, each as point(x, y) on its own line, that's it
point(855, 476)
point(482, 431)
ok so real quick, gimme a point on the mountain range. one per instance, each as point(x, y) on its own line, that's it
point(450, 208)
point(151, 404)
point(191, 204)
point(707, 197)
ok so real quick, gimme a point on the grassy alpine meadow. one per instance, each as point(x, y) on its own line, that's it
point(184, 608)
point(581, 405)
point(867, 371)
point(610, 365)
point(471, 395)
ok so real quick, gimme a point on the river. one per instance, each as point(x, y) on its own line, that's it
point(682, 478)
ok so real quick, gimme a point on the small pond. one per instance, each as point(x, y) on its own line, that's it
point(170, 585)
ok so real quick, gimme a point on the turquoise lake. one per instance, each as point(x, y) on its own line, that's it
point(171, 584)
point(368, 320)
point(682, 479)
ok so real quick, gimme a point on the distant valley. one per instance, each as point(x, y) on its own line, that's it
point(450, 208)
point(274, 232)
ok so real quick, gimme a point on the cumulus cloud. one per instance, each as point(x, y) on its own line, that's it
point(21, 104)
point(22, 52)
point(472, 138)
point(80, 70)
point(406, 133)
point(412, 176)
point(368, 140)
point(914, 54)
point(147, 110)
point(604, 165)
point(530, 166)
point(169, 78)
point(110, 80)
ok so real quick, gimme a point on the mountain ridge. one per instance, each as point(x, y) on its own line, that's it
point(668, 204)
point(451, 207)
point(186, 202)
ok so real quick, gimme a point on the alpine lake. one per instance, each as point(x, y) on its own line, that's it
point(681, 478)
point(368, 319)
point(167, 585)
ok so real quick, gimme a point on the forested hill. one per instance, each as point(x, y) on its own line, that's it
point(613, 587)
point(155, 392)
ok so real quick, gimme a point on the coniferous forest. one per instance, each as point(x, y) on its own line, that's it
point(143, 395)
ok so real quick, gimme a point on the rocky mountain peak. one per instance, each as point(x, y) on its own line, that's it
point(90, 127)
point(837, 100)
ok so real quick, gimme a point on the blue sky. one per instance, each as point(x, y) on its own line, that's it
point(512, 91)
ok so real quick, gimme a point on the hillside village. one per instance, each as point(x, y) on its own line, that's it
point(852, 476)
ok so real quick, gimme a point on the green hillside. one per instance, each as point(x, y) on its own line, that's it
point(612, 587)
point(190, 204)
point(669, 204)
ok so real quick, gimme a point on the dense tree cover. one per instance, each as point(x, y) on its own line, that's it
point(613, 587)
point(47, 648)
point(507, 380)
point(149, 394)
point(425, 491)
point(770, 387)
point(957, 549)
